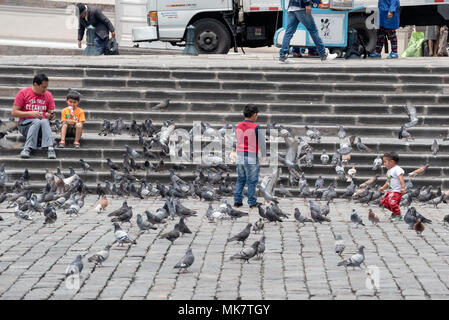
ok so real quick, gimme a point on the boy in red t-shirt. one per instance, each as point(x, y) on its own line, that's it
point(72, 119)
point(34, 107)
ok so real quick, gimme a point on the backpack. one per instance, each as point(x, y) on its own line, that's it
point(111, 47)
point(355, 48)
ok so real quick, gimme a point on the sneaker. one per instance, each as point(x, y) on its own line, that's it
point(51, 153)
point(393, 55)
point(375, 55)
point(238, 205)
point(329, 56)
point(25, 154)
point(285, 59)
point(254, 205)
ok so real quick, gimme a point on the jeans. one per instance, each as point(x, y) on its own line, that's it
point(247, 173)
point(100, 44)
point(294, 18)
point(32, 129)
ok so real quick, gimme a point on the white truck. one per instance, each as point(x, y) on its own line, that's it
point(223, 24)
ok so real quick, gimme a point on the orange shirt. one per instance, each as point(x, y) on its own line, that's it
point(69, 114)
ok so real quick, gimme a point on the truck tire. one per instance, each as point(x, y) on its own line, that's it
point(211, 37)
point(369, 36)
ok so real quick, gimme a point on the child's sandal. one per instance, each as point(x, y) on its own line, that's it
point(76, 144)
point(61, 144)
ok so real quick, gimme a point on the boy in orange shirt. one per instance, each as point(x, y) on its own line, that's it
point(72, 119)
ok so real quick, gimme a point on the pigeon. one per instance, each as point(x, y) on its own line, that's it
point(356, 219)
point(20, 214)
point(324, 158)
point(132, 153)
point(86, 167)
point(75, 267)
point(144, 225)
point(234, 214)
point(355, 261)
point(377, 163)
point(411, 112)
point(124, 217)
point(258, 226)
point(186, 261)
point(162, 105)
point(315, 213)
point(247, 253)
point(242, 235)
point(284, 192)
point(351, 173)
point(183, 227)
point(154, 219)
point(50, 215)
point(361, 147)
point(300, 218)
point(102, 204)
point(419, 226)
point(100, 257)
point(420, 216)
point(409, 217)
point(267, 196)
point(121, 236)
point(350, 190)
point(172, 235)
point(404, 134)
point(418, 171)
point(261, 247)
point(261, 211)
point(435, 148)
point(339, 245)
point(270, 215)
point(372, 217)
point(446, 220)
point(325, 209)
point(341, 133)
point(370, 181)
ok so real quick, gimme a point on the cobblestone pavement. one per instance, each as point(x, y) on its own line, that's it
point(299, 262)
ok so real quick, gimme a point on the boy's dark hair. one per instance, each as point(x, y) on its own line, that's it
point(392, 156)
point(81, 7)
point(74, 95)
point(39, 78)
point(249, 110)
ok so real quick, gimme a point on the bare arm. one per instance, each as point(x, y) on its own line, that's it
point(384, 187)
point(401, 180)
point(17, 113)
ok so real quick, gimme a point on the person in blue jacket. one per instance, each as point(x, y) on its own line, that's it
point(388, 23)
point(300, 11)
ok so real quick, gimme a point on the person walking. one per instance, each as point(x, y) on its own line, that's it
point(300, 11)
point(91, 15)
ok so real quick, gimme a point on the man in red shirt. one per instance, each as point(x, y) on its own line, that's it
point(249, 140)
point(35, 106)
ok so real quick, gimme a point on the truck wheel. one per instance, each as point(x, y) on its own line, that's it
point(369, 36)
point(211, 37)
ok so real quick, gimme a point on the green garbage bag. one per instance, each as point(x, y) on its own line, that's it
point(414, 48)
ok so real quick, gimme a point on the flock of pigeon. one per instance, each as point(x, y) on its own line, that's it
point(212, 183)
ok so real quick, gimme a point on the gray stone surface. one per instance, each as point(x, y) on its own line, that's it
point(299, 262)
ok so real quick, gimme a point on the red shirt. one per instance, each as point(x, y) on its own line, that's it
point(247, 137)
point(28, 100)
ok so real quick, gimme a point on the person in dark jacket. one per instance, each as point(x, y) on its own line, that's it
point(90, 15)
point(388, 23)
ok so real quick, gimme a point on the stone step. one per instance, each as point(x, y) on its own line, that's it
point(298, 85)
point(94, 119)
point(131, 109)
point(92, 178)
point(91, 69)
point(415, 148)
point(350, 75)
point(113, 94)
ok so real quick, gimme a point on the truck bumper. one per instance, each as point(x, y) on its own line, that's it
point(148, 33)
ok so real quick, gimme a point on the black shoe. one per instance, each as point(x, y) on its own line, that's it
point(238, 205)
point(255, 205)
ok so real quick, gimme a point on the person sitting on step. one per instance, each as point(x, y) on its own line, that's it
point(72, 119)
point(35, 108)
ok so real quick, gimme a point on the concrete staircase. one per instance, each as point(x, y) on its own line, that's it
point(368, 101)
